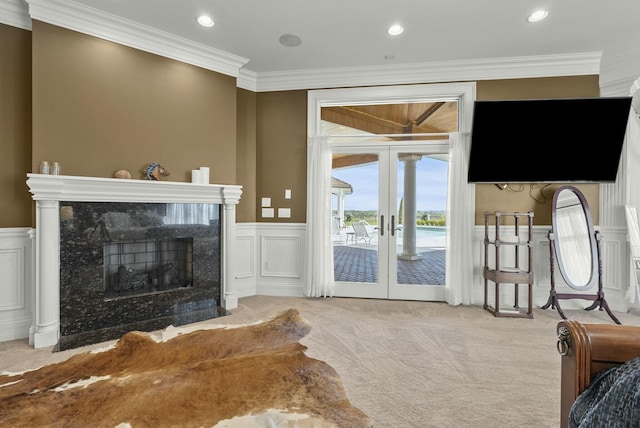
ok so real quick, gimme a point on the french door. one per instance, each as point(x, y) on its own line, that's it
point(380, 250)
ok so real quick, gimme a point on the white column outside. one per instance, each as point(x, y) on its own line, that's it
point(341, 207)
point(409, 251)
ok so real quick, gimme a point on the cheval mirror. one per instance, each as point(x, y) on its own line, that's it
point(575, 246)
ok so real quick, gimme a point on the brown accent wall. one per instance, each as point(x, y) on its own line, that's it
point(15, 126)
point(527, 197)
point(246, 155)
point(99, 107)
point(282, 153)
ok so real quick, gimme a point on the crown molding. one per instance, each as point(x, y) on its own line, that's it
point(619, 70)
point(84, 19)
point(15, 13)
point(446, 71)
point(248, 80)
point(619, 88)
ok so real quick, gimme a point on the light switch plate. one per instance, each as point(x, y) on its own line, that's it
point(284, 212)
point(266, 202)
point(267, 212)
point(287, 194)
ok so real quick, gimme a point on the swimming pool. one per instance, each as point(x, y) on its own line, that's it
point(428, 232)
point(428, 236)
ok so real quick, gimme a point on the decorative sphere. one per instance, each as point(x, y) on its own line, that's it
point(122, 173)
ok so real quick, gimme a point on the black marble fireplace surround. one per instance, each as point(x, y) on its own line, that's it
point(136, 266)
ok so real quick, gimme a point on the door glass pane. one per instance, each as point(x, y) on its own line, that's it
point(355, 200)
point(421, 202)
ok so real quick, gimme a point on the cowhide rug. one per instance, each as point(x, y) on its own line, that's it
point(247, 376)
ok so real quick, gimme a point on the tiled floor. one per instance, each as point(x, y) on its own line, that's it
point(359, 265)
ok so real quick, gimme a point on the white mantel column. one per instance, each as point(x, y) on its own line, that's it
point(229, 295)
point(46, 331)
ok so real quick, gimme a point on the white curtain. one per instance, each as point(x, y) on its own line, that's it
point(460, 223)
point(632, 144)
point(319, 249)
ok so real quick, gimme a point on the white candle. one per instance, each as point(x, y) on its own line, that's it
point(196, 176)
point(204, 174)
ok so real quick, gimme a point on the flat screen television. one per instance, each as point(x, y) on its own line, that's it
point(548, 140)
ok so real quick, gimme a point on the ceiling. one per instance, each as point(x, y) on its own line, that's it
point(349, 37)
point(352, 33)
point(394, 121)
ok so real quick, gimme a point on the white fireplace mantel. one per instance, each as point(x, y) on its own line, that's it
point(49, 190)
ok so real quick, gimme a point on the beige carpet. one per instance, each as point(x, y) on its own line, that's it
point(246, 376)
point(415, 364)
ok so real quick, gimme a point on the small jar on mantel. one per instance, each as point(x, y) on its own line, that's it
point(55, 168)
point(44, 167)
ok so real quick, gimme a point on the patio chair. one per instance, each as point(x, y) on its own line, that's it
point(360, 231)
point(336, 230)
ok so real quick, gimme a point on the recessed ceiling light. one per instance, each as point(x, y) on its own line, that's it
point(396, 29)
point(205, 21)
point(538, 15)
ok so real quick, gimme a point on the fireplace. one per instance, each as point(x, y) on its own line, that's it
point(147, 266)
point(128, 255)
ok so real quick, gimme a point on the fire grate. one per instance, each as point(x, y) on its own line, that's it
point(147, 266)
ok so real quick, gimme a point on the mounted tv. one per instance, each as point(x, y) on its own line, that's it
point(548, 140)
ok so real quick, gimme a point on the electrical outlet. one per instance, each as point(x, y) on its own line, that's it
point(284, 212)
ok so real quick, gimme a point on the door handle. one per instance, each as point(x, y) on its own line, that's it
point(393, 225)
point(381, 228)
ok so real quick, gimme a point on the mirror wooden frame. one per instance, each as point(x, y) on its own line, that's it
point(555, 255)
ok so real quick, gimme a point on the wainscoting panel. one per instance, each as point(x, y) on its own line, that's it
point(281, 259)
point(245, 263)
point(614, 247)
point(245, 259)
point(12, 283)
point(269, 260)
point(16, 285)
point(615, 272)
point(274, 247)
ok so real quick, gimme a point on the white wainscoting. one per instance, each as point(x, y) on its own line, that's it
point(269, 260)
point(16, 284)
point(617, 282)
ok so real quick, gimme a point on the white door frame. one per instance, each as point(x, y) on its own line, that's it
point(386, 286)
point(463, 92)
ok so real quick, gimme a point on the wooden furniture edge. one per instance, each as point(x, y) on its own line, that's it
point(588, 349)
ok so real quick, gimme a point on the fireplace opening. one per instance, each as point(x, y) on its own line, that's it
point(138, 267)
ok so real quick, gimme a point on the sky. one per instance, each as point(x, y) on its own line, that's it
point(431, 185)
